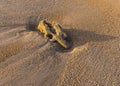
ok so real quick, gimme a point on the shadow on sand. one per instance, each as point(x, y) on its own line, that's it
point(81, 37)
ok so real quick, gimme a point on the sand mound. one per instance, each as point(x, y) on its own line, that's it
point(28, 59)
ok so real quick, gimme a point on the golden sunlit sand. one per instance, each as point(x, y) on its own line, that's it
point(28, 59)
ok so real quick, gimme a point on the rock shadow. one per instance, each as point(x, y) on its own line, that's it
point(81, 37)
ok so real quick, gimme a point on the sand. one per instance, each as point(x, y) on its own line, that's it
point(28, 59)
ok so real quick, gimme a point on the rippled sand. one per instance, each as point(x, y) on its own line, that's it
point(28, 59)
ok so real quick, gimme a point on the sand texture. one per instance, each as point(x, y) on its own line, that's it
point(29, 59)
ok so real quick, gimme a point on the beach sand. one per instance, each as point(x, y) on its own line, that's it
point(28, 59)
